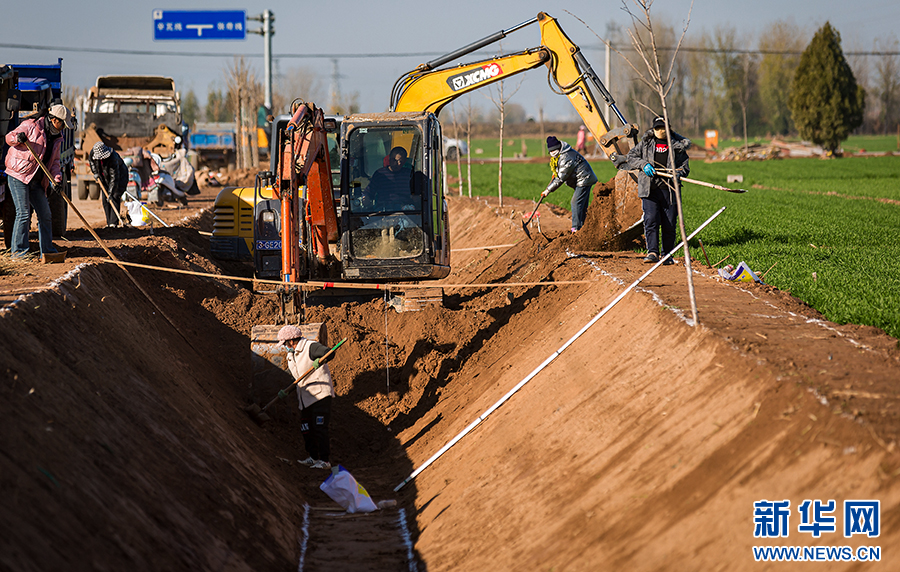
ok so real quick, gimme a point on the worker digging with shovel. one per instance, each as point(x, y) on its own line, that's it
point(315, 391)
point(111, 173)
point(570, 168)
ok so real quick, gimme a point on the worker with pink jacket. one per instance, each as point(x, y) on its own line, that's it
point(27, 182)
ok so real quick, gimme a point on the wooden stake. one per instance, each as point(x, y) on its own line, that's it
point(703, 248)
point(767, 271)
point(721, 261)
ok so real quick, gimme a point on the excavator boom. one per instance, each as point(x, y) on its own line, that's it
point(570, 74)
point(305, 164)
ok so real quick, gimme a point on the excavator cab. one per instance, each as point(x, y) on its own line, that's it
point(393, 211)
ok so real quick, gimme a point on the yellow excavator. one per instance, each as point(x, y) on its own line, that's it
point(428, 88)
point(387, 241)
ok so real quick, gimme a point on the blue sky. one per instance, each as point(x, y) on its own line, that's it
point(385, 26)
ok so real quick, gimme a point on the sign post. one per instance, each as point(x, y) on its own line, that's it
point(199, 24)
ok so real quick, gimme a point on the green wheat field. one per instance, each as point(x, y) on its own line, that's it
point(827, 231)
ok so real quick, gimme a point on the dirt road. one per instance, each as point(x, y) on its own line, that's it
point(643, 446)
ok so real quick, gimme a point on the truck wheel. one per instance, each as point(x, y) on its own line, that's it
point(82, 189)
point(451, 154)
point(93, 191)
point(59, 214)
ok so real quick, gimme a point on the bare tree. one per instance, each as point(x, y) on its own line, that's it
point(458, 150)
point(541, 121)
point(346, 103)
point(246, 93)
point(300, 83)
point(500, 103)
point(697, 87)
point(776, 71)
point(661, 83)
point(469, 142)
point(887, 85)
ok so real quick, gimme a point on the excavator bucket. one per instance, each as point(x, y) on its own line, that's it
point(619, 141)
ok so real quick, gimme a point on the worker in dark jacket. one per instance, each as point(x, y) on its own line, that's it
point(657, 193)
point(570, 168)
point(110, 171)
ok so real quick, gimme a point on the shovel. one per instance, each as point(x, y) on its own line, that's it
point(525, 223)
point(259, 414)
point(108, 200)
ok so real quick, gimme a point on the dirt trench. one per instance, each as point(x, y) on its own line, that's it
point(643, 446)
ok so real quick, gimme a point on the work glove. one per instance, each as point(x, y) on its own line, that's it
point(316, 363)
point(545, 193)
point(21, 138)
point(649, 170)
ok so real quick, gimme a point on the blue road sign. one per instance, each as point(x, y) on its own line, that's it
point(199, 24)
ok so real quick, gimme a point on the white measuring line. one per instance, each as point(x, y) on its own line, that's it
point(303, 541)
point(547, 361)
point(404, 531)
point(483, 247)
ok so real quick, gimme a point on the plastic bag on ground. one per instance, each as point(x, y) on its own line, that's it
point(137, 213)
point(344, 490)
point(740, 274)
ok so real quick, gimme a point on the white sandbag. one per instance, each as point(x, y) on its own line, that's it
point(344, 490)
point(137, 213)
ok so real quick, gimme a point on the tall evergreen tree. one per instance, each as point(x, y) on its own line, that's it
point(826, 102)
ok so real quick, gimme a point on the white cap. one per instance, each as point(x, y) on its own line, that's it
point(62, 112)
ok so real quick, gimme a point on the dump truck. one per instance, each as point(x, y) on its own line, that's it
point(28, 90)
point(214, 143)
point(127, 111)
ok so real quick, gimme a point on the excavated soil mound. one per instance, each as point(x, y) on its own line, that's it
point(642, 445)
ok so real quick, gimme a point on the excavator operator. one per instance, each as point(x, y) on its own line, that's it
point(390, 185)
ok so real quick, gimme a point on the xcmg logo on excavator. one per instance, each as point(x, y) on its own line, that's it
point(467, 79)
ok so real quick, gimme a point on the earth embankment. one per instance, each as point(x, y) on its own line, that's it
point(642, 446)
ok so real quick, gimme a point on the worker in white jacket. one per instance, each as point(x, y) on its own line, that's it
point(315, 393)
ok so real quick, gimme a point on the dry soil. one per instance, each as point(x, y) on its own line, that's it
point(642, 446)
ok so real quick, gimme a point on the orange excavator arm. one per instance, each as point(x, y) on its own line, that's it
point(305, 173)
point(428, 88)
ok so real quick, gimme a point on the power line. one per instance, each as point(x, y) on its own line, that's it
point(392, 54)
point(213, 54)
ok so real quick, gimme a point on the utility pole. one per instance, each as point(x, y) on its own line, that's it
point(267, 31)
point(335, 85)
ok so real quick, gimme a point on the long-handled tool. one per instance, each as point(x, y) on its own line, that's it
point(107, 250)
point(259, 414)
point(525, 223)
point(703, 183)
point(108, 200)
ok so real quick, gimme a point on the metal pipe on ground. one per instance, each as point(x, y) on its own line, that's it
point(550, 359)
